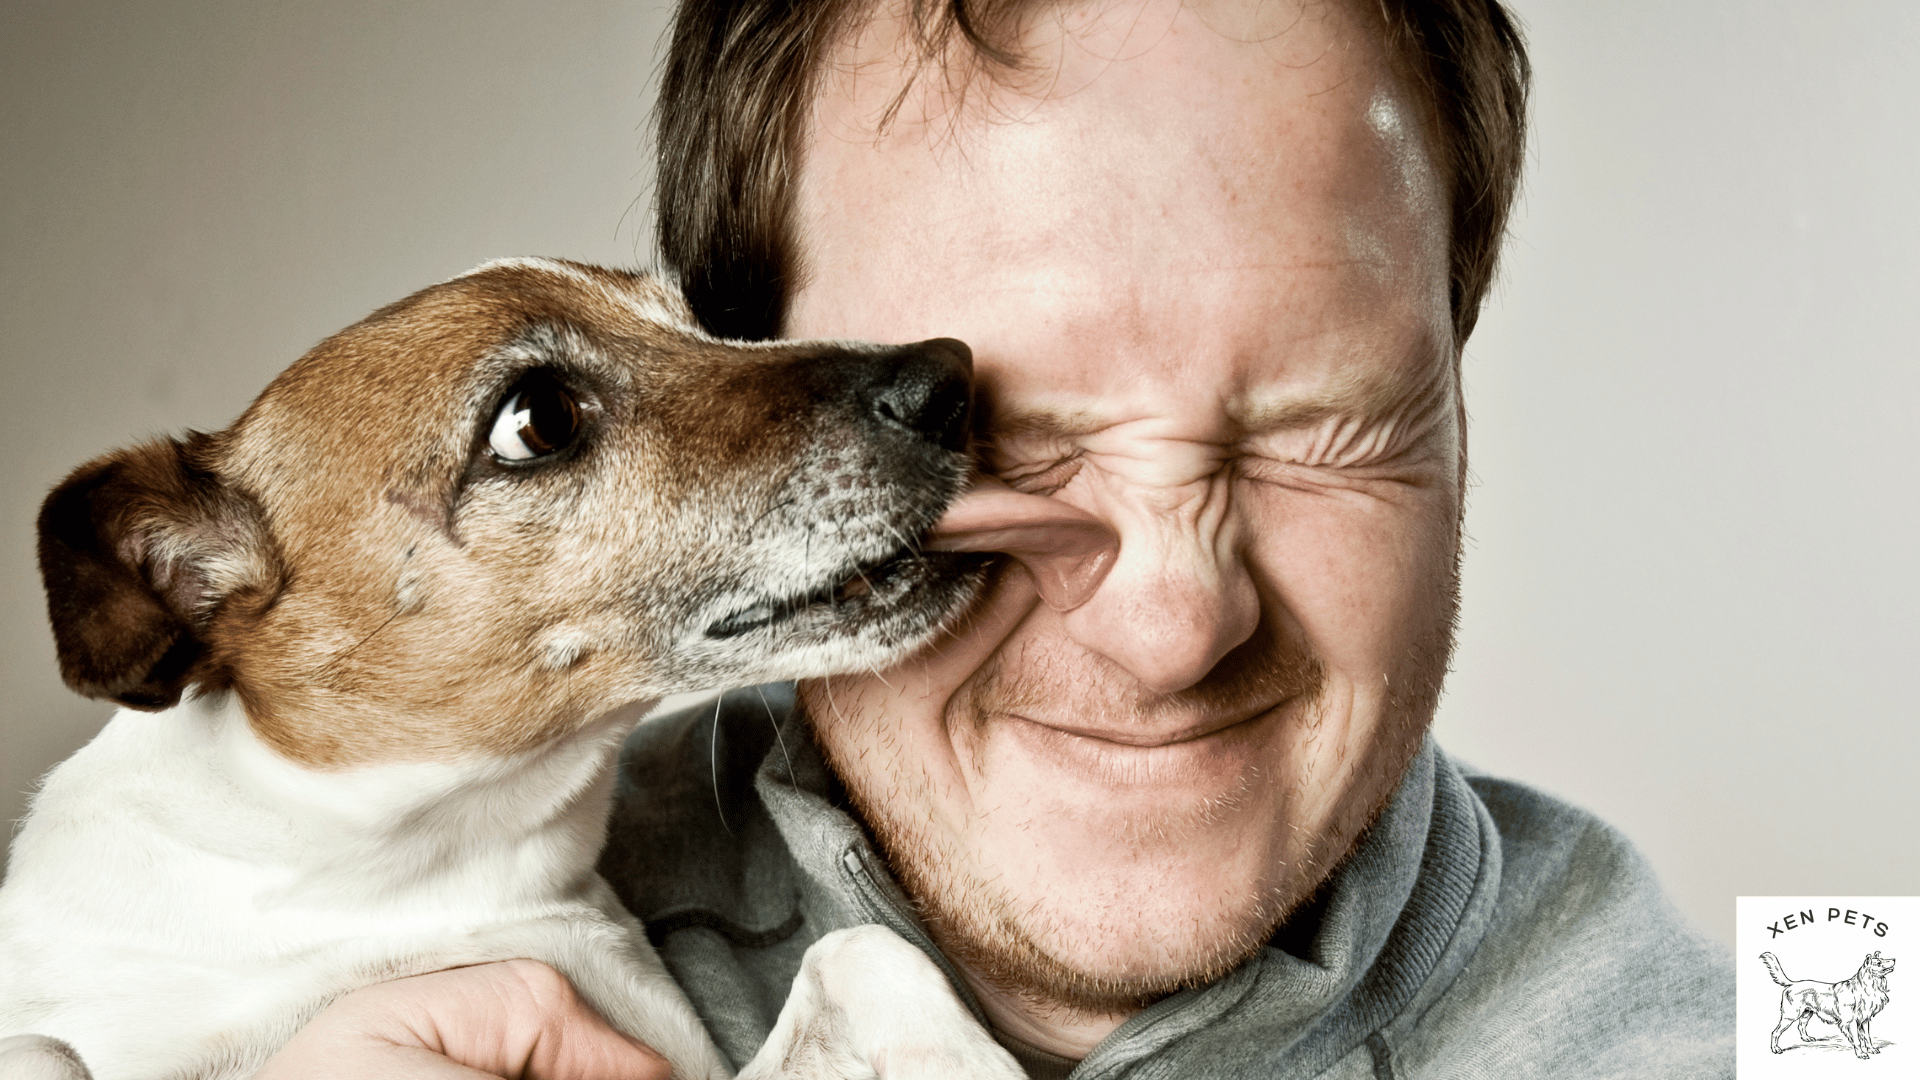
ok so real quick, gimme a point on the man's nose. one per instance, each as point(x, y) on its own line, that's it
point(1179, 597)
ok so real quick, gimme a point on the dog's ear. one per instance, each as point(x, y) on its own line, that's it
point(138, 551)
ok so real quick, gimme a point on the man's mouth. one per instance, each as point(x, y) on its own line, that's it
point(1148, 736)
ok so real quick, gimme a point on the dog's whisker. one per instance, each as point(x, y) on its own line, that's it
point(775, 721)
point(342, 655)
point(767, 513)
point(832, 704)
point(713, 760)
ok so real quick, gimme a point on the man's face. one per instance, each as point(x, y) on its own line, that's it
point(1201, 259)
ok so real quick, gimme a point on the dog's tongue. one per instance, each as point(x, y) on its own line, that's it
point(1067, 550)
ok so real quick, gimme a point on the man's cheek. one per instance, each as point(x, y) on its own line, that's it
point(1357, 575)
point(929, 677)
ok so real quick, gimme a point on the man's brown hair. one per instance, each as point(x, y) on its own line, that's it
point(741, 76)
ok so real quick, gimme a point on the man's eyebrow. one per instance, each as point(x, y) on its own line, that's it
point(1365, 395)
point(1041, 423)
point(1362, 394)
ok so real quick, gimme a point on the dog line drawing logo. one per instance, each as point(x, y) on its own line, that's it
point(1849, 1005)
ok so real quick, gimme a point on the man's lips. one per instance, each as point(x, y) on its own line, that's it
point(1148, 736)
point(1067, 550)
point(1159, 756)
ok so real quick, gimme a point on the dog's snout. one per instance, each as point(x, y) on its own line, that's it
point(930, 392)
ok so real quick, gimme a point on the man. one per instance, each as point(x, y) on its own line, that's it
point(1216, 262)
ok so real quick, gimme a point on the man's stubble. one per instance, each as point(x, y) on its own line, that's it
point(976, 922)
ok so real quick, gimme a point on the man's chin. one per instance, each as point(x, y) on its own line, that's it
point(1100, 936)
point(1106, 975)
point(1174, 908)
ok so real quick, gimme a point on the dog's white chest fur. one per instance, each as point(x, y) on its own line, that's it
point(185, 896)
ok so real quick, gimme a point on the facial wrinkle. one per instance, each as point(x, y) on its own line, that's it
point(1263, 671)
point(1353, 422)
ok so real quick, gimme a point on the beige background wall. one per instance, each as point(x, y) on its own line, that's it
point(1691, 590)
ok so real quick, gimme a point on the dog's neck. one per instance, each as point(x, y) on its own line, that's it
point(394, 834)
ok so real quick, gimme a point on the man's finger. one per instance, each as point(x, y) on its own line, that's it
point(517, 1018)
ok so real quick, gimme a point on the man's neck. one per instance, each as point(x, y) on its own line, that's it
point(1054, 1028)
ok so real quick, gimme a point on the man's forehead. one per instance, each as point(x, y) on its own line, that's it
point(1155, 149)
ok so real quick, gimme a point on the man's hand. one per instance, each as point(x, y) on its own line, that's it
point(516, 1018)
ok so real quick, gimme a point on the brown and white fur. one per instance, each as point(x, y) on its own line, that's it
point(1849, 1005)
point(380, 642)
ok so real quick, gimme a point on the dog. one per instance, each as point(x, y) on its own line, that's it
point(1850, 1005)
point(379, 642)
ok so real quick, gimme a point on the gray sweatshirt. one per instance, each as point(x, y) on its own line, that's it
point(1479, 929)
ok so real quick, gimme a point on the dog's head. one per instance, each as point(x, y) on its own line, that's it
point(1878, 966)
point(512, 502)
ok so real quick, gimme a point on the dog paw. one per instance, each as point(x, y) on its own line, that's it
point(37, 1057)
point(867, 1003)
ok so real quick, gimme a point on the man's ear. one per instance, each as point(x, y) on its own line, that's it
point(138, 551)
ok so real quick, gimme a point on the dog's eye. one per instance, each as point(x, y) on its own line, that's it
point(538, 417)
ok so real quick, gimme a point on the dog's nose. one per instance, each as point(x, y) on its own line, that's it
point(930, 392)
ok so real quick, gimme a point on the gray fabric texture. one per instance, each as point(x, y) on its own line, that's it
point(1479, 928)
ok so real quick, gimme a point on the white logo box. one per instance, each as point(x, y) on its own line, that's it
point(1827, 940)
